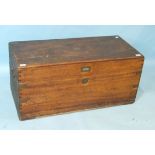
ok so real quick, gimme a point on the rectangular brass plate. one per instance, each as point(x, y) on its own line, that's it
point(86, 69)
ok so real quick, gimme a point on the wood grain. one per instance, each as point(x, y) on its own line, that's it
point(54, 85)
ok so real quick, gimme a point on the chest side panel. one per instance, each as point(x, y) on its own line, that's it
point(56, 89)
point(14, 80)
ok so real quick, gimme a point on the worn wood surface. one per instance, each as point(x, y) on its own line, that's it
point(47, 77)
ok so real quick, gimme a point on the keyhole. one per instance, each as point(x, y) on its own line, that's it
point(85, 80)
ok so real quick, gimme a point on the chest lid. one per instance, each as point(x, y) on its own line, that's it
point(75, 50)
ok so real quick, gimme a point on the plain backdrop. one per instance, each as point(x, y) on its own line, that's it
point(140, 115)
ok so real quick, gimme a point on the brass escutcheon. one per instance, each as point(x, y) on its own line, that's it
point(85, 80)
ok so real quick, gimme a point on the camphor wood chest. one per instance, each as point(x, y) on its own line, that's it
point(64, 75)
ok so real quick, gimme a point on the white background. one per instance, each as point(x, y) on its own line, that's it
point(77, 12)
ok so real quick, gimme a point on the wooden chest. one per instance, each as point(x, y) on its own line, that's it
point(63, 75)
